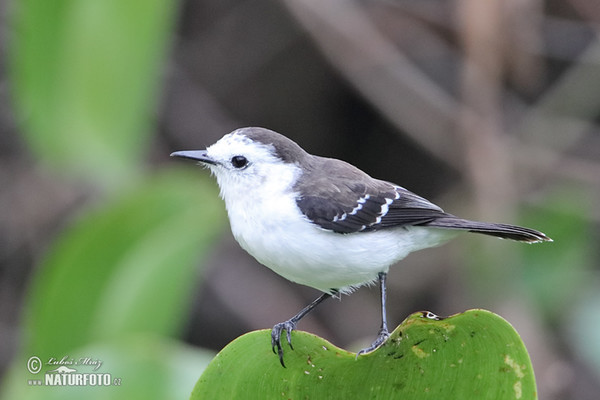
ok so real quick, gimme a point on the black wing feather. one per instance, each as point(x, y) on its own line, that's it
point(354, 202)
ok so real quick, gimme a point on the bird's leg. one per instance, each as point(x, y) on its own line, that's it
point(289, 325)
point(383, 332)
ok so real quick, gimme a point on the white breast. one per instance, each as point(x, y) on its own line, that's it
point(302, 252)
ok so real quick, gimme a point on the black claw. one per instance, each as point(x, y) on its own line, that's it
point(278, 329)
point(290, 325)
point(289, 337)
point(381, 338)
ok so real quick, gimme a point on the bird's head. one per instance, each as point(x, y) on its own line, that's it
point(251, 159)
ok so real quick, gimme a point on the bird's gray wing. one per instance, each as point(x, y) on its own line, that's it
point(350, 201)
point(341, 198)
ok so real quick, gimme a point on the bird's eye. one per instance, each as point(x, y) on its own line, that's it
point(239, 161)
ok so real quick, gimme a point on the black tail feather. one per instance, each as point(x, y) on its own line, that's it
point(503, 231)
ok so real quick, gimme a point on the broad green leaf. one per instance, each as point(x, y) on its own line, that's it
point(128, 267)
point(85, 75)
point(473, 355)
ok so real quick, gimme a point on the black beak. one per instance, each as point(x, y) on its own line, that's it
point(196, 155)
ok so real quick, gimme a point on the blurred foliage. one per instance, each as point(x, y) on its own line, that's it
point(554, 274)
point(116, 284)
point(582, 323)
point(471, 355)
point(140, 366)
point(550, 274)
point(127, 268)
point(85, 78)
point(121, 273)
point(486, 106)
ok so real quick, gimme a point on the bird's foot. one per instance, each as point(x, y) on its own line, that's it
point(381, 338)
point(287, 326)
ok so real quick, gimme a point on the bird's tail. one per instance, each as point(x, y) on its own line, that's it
point(503, 231)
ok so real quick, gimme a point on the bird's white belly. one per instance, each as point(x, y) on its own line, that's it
point(304, 253)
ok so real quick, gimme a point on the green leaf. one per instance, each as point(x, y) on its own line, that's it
point(473, 355)
point(85, 75)
point(128, 267)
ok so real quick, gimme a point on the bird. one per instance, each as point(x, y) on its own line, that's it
point(324, 223)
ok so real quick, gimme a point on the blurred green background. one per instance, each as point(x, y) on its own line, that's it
point(111, 250)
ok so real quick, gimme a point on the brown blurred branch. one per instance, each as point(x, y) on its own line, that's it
point(480, 28)
point(384, 76)
point(565, 114)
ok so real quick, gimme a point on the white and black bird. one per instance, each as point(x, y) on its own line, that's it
point(322, 222)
